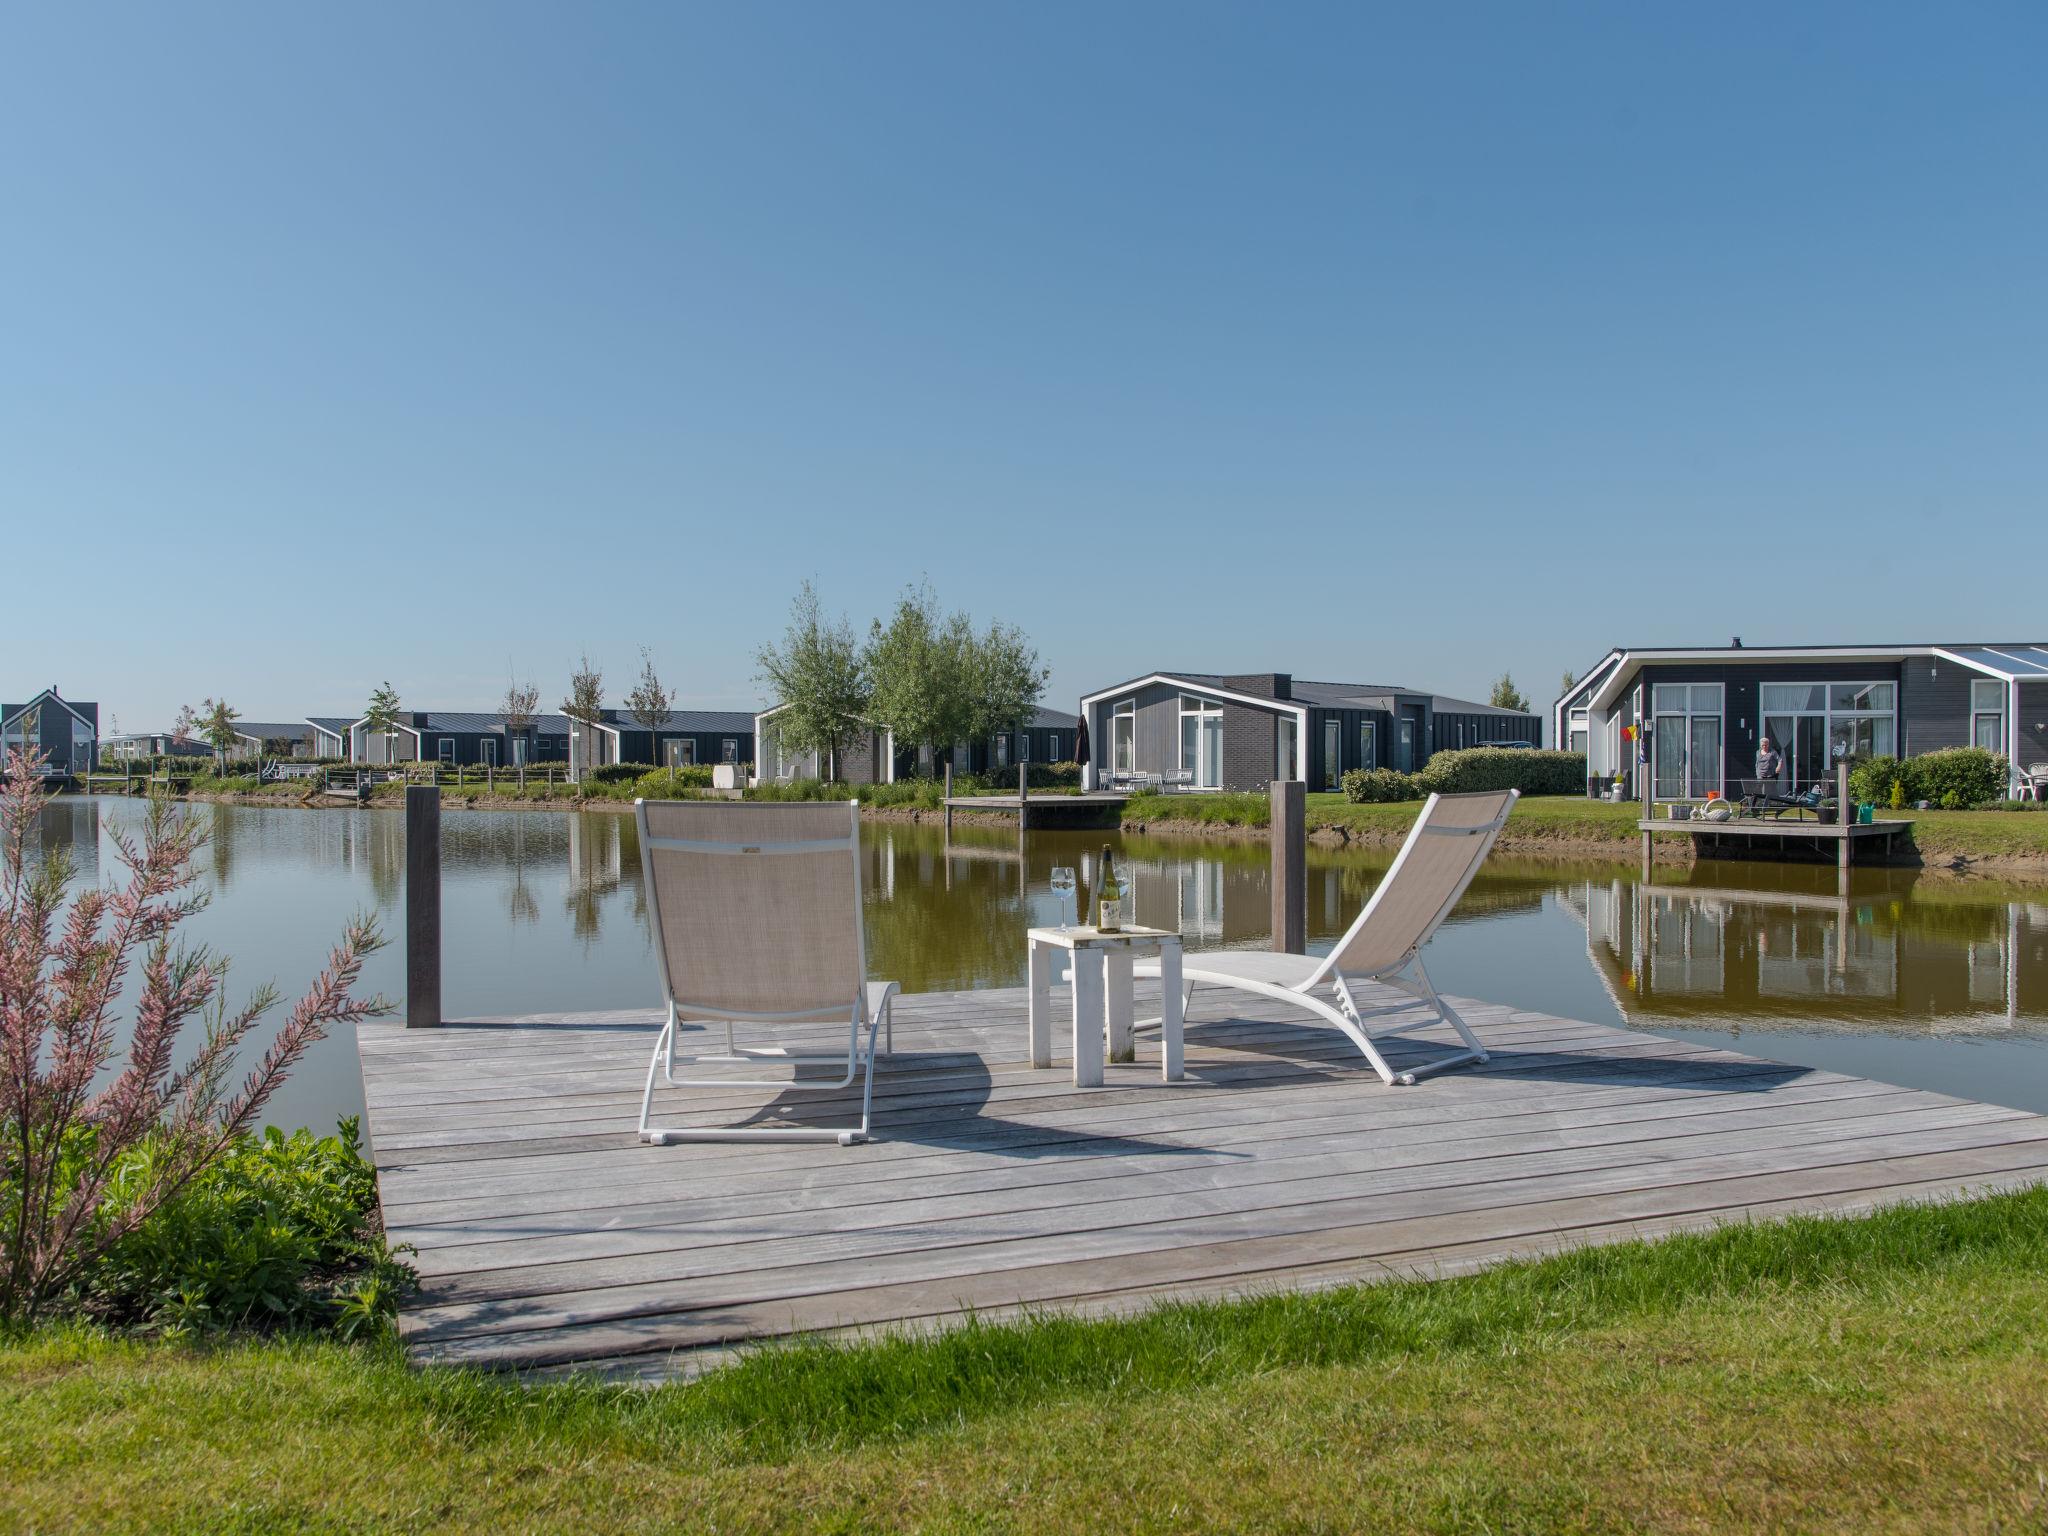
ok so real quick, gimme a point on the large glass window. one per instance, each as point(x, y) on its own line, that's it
point(1576, 737)
point(1814, 726)
point(1201, 741)
point(1285, 740)
point(1987, 714)
point(1123, 738)
point(1368, 745)
point(1685, 740)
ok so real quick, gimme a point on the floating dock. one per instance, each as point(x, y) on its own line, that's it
point(550, 1239)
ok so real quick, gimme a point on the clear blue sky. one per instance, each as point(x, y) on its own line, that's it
point(1373, 343)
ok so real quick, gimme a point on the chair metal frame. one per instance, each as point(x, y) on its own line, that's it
point(1405, 974)
point(872, 1006)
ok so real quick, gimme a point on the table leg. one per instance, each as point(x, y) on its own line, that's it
point(1088, 991)
point(1170, 1062)
point(1040, 1010)
point(1117, 1007)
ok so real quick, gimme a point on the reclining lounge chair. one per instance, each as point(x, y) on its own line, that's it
point(1449, 842)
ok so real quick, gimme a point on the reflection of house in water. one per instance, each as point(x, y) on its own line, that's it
point(1676, 953)
point(72, 827)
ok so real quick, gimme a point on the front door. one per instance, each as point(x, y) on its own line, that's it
point(1333, 753)
point(1404, 744)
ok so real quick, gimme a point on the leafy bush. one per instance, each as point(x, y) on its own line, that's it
point(280, 1232)
point(1372, 786)
point(658, 782)
point(1877, 779)
point(70, 1118)
point(1485, 768)
point(1957, 778)
point(618, 773)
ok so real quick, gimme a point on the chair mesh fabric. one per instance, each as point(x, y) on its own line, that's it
point(1413, 897)
point(768, 934)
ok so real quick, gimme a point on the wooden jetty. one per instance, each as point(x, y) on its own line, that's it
point(550, 1239)
point(1033, 810)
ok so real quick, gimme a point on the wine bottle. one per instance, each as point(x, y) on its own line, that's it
point(1110, 897)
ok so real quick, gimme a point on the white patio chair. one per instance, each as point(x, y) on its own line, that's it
point(756, 917)
point(2033, 783)
point(1444, 850)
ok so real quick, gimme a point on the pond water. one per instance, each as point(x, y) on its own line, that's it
point(1931, 982)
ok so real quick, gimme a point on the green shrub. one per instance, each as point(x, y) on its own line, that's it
point(1957, 778)
point(1372, 786)
point(1487, 768)
point(618, 773)
point(280, 1232)
point(1877, 780)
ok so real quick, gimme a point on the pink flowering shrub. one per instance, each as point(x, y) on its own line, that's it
point(70, 1118)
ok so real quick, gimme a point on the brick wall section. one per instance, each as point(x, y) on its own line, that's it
point(1250, 739)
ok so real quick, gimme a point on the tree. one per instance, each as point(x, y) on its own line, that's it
point(1505, 694)
point(381, 718)
point(1004, 681)
point(215, 720)
point(1569, 683)
point(937, 682)
point(519, 706)
point(649, 703)
point(820, 680)
point(915, 665)
point(585, 704)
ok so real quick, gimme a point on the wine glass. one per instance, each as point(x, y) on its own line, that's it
point(1063, 890)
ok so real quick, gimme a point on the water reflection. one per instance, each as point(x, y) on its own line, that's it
point(1917, 980)
point(1888, 954)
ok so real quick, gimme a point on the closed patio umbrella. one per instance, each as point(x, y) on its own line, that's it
point(1081, 741)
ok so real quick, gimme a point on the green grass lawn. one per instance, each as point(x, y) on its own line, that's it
point(1555, 817)
point(1883, 1373)
point(1939, 835)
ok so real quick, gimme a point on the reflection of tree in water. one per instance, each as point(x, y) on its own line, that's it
point(519, 901)
point(383, 847)
point(220, 841)
point(595, 853)
point(936, 922)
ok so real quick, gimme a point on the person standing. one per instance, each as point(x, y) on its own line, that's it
point(1768, 763)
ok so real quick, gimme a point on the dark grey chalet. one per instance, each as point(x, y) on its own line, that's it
point(875, 756)
point(1695, 718)
point(1240, 731)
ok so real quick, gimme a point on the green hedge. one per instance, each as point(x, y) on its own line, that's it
point(1473, 770)
point(1486, 768)
point(1956, 778)
point(1373, 786)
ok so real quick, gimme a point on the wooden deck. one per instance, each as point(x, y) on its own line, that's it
point(549, 1238)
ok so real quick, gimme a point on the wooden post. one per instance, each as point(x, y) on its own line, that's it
point(948, 797)
point(1845, 818)
point(422, 906)
point(1644, 783)
point(1290, 866)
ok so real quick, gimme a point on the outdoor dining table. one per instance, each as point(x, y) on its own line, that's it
point(1102, 987)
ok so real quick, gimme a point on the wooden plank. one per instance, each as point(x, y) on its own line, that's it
point(548, 1236)
point(562, 1336)
point(786, 1269)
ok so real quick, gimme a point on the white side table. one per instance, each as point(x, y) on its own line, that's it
point(1102, 996)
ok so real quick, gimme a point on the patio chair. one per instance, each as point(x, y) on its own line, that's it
point(1444, 850)
point(2033, 783)
point(756, 918)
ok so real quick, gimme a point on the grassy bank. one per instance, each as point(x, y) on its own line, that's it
point(1888, 1372)
point(1569, 823)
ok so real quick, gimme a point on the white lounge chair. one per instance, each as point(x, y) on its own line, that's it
point(756, 917)
point(1448, 843)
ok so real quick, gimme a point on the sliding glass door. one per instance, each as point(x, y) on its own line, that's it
point(1685, 739)
point(1201, 741)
